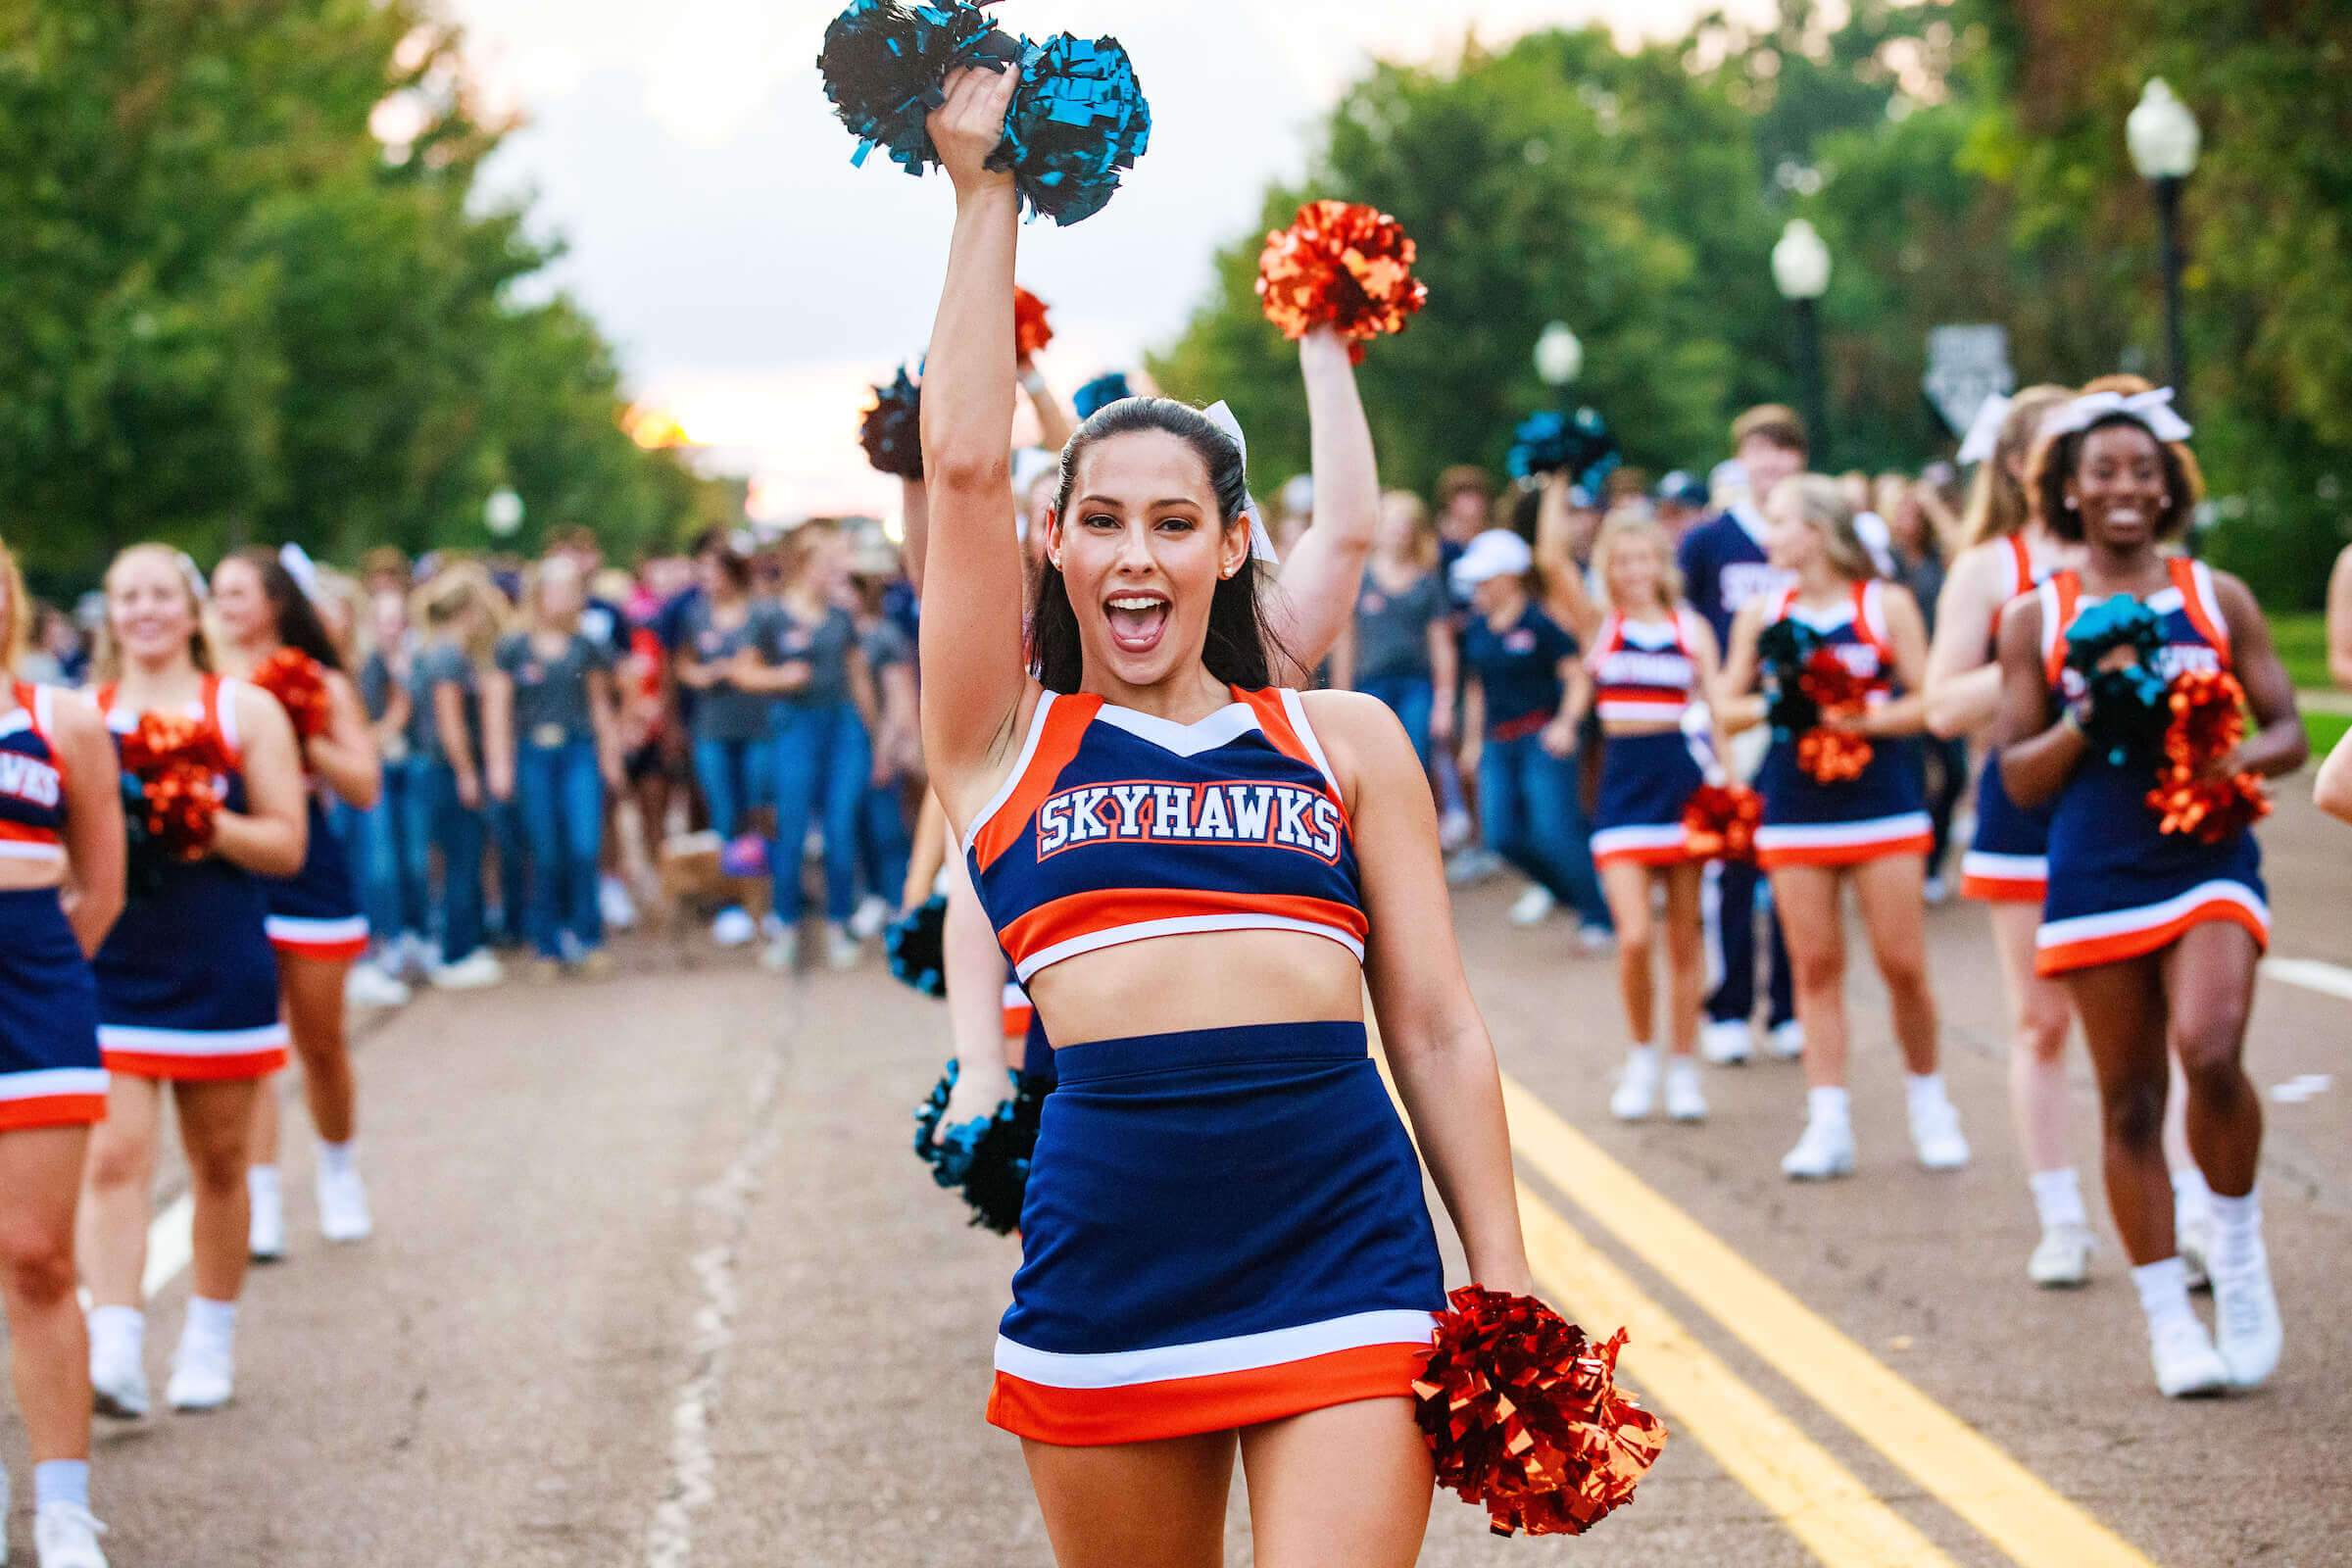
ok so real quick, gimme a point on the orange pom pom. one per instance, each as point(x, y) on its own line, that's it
point(1524, 1415)
point(176, 761)
point(1720, 822)
point(1031, 331)
point(1343, 266)
point(299, 684)
point(2208, 721)
point(1825, 754)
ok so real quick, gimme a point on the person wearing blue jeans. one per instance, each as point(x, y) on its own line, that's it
point(808, 653)
point(1412, 699)
point(457, 833)
point(554, 746)
point(1520, 669)
point(884, 846)
point(735, 777)
point(460, 609)
point(1403, 646)
point(395, 852)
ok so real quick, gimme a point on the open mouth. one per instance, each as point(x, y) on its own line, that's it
point(1137, 620)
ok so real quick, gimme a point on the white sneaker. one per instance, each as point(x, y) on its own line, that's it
point(2192, 1239)
point(416, 957)
point(1686, 1100)
point(1727, 1042)
point(1786, 1042)
point(370, 986)
point(1453, 830)
point(2187, 1364)
point(871, 917)
point(478, 970)
point(1473, 864)
point(265, 1225)
point(2061, 1260)
point(1826, 1150)
point(1936, 1135)
point(734, 928)
point(1592, 941)
point(2248, 1331)
point(843, 949)
point(117, 1379)
point(1535, 906)
point(203, 1373)
point(1636, 1087)
point(782, 953)
point(343, 1212)
point(1938, 891)
point(614, 902)
point(65, 1535)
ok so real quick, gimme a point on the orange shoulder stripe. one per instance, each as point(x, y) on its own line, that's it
point(1064, 728)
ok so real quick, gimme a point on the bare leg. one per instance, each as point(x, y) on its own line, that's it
point(1807, 899)
point(2121, 1006)
point(2209, 986)
point(215, 1121)
point(40, 1180)
point(266, 1135)
point(1135, 1504)
point(313, 988)
point(1345, 1487)
point(111, 1229)
point(2039, 1014)
point(1627, 886)
point(1894, 912)
point(1686, 957)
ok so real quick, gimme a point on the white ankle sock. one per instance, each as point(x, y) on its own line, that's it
point(1641, 1057)
point(261, 1181)
point(334, 1159)
point(2191, 1198)
point(2238, 1234)
point(2163, 1292)
point(2058, 1198)
point(1827, 1104)
point(1924, 1089)
point(215, 1321)
point(62, 1481)
point(118, 1325)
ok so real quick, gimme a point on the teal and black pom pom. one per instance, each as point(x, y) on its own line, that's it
point(1077, 124)
point(1782, 652)
point(886, 64)
point(2130, 705)
point(1579, 444)
point(893, 431)
point(988, 1158)
point(916, 943)
point(1101, 393)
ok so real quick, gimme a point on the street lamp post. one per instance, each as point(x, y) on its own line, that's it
point(2164, 139)
point(1801, 269)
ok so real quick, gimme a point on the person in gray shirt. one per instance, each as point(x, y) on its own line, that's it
point(1401, 647)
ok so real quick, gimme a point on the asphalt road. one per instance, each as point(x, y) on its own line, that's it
point(657, 1282)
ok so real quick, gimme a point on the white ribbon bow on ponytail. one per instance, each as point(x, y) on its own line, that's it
point(2153, 409)
point(1262, 543)
point(299, 567)
point(1983, 431)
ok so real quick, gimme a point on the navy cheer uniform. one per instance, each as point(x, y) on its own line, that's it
point(187, 985)
point(2119, 887)
point(314, 914)
point(1645, 674)
point(2008, 862)
point(1878, 815)
point(1222, 1226)
point(51, 1074)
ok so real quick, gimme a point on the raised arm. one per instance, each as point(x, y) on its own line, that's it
point(1436, 1044)
point(1963, 686)
point(914, 511)
point(974, 673)
point(95, 837)
point(1054, 426)
point(1564, 591)
point(1315, 595)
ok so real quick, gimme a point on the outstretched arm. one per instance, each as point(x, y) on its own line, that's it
point(1315, 597)
point(973, 670)
point(1054, 426)
point(1565, 596)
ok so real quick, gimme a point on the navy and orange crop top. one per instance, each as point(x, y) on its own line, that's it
point(32, 805)
point(1119, 826)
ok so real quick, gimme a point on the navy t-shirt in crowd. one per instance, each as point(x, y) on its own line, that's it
point(1519, 668)
point(1724, 566)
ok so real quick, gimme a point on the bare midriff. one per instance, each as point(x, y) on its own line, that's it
point(1207, 980)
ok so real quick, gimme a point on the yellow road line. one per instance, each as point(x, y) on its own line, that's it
point(2014, 1508)
point(1823, 1503)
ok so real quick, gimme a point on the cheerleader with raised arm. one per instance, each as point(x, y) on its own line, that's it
point(60, 888)
point(2155, 917)
point(1156, 831)
point(187, 981)
point(1843, 654)
point(266, 622)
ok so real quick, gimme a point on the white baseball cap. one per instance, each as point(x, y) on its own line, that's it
point(1495, 553)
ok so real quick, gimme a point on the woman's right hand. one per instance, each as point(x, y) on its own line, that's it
point(969, 125)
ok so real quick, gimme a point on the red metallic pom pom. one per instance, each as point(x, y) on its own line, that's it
point(183, 804)
point(1030, 329)
point(161, 740)
point(2208, 721)
point(1829, 756)
point(1343, 266)
point(299, 684)
point(1720, 822)
point(1524, 1415)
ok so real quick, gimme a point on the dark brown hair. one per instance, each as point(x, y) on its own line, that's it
point(1240, 648)
point(2056, 461)
point(299, 626)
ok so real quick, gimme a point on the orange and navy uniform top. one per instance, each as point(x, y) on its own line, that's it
point(1644, 673)
point(32, 780)
point(1119, 826)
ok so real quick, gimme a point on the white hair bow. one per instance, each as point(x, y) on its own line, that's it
point(1262, 543)
point(299, 567)
point(1985, 430)
point(2154, 410)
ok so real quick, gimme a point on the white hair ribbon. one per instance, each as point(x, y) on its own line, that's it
point(1983, 431)
point(1262, 543)
point(2154, 410)
point(299, 567)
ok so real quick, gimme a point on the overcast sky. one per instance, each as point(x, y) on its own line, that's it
point(757, 284)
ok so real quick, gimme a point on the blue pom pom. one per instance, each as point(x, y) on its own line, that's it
point(1541, 444)
point(2130, 706)
point(916, 945)
point(893, 431)
point(1099, 393)
point(988, 1156)
point(886, 64)
point(1578, 444)
point(1078, 122)
point(1783, 650)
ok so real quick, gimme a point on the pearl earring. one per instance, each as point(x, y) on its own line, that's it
point(2070, 504)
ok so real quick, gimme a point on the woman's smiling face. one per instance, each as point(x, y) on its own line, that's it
point(2118, 486)
point(150, 609)
point(242, 606)
point(1142, 546)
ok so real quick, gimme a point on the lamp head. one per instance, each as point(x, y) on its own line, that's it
point(2162, 135)
point(1559, 355)
point(1800, 262)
